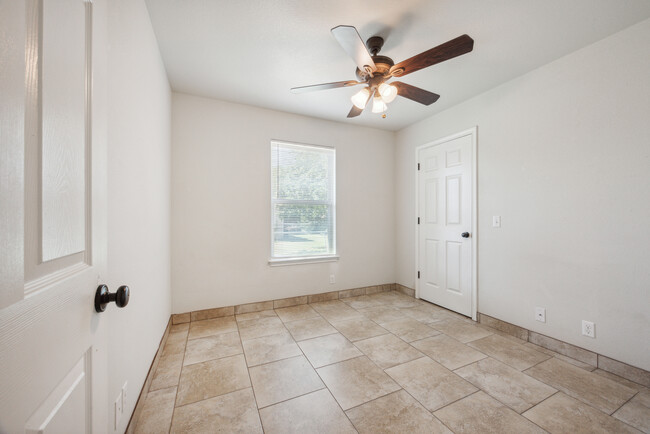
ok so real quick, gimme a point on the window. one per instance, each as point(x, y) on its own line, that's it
point(303, 204)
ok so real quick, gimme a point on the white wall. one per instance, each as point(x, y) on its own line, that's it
point(139, 148)
point(564, 158)
point(221, 205)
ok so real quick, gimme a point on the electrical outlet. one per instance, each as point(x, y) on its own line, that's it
point(540, 314)
point(496, 221)
point(118, 410)
point(124, 396)
point(588, 329)
point(332, 278)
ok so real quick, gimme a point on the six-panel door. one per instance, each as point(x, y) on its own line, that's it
point(445, 211)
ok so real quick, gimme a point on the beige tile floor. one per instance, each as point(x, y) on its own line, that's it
point(373, 364)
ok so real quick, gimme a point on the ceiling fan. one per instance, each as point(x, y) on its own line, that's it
point(374, 70)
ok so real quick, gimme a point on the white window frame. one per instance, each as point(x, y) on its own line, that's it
point(283, 260)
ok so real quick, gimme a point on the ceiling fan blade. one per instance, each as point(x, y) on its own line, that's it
point(352, 43)
point(324, 86)
point(415, 93)
point(356, 111)
point(450, 49)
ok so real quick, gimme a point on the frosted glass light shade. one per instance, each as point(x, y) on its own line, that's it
point(378, 105)
point(360, 99)
point(388, 92)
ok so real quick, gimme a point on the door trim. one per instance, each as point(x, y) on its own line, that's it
point(473, 132)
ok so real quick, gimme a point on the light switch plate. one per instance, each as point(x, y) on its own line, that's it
point(496, 221)
point(118, 410)
point(124, 395)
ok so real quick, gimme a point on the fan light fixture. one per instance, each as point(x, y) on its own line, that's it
point(388, 92)
point(360, 99)
point(378, 105)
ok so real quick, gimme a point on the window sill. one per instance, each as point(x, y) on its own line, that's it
point(276, 262)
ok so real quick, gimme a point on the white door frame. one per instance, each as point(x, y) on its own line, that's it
point(474, 237)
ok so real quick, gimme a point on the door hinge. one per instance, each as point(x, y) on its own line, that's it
point(418, 166)
point(418, 274)
point(418, 220)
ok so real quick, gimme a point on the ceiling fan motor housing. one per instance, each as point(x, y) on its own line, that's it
point(383, 64)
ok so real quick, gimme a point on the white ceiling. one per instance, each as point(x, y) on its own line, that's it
point(253, 52)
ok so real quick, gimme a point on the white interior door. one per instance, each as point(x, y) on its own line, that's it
point(53, 219)
point(446, 229)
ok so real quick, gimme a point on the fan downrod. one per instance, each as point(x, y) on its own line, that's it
point(374, 44)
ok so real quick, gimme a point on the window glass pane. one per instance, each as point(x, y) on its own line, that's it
point(302, 193)
point(302, 230)
point(301, 172)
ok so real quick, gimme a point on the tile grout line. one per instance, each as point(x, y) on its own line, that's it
point(496, 398)
point(539, 363)
point(248, 372)
point(410, 344)
point(213, 335)
point(272, 361)
point(576, 398)
point(622, 421)
point(212, 397)
point(451, 337)
point(382, 396)
point(515, 368)
point(422, 404)
point(460, 399)
point(384, 370)
point(178, 385)
point(323, 381)
point(545, 399)
point(580, 399)
point(631, 381)
point(294, 397)
point(470, 363)
point(359, 340)
point(622, 405)
point(447, 405)
point(296, 342)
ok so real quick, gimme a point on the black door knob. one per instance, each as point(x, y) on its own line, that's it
point(465, 235)
point(103, 297)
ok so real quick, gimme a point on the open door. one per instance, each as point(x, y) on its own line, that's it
point(52, 216)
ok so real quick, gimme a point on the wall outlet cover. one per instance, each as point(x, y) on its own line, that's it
point(588, 329)
point(332, 278)
point(540, 314)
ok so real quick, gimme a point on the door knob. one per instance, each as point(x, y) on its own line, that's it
point(465, 235)
point(103, 297)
